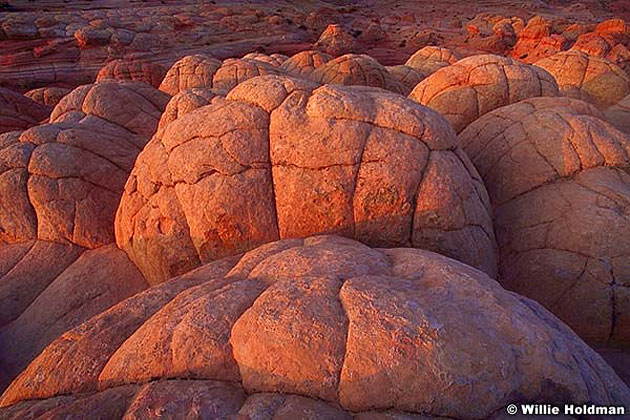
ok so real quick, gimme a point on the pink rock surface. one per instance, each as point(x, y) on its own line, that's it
point(357, 161)
point(556, 176)
point(326, 318)
point(468, 89)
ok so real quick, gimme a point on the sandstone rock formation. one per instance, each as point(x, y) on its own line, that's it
point(60, 184)
point(592, 79)
point(473, 86)
point(356, 70)
point(273, 59)
point(185, 102)
point(135, 71)
point(199, 71)
point(18, 112)
point(408, 77)
point(48, 288)
point(619, 115)
point(282, 158)
point(557, 178)
point(305, 62)
point(538, 40)
point(48, 96)
point(190, 72)
point(429, 59)
point(355, 328)
point(335, 41)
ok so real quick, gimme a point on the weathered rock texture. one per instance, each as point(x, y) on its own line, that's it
point(474, 86)
point(557, 178)
point(185, 102)
point(408, 77)
point(273, 59)
point(283, 158)
point(619, 115)
point(336, 41)
point(589, 78)
point(538, 40)
point(356, 70)
point(199, 71)
point(429, 59)
point(52, 288)
point(18, 112)
point(61, 181)
point(305, 62)
point(133, 71)
point(48, 96)
point(60, 185)
point(326, 318)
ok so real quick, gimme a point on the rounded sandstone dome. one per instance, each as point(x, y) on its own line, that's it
point(434, 53)
point(133, 106)
point(132, 70)
point(199, 71)
point(189, 72)
point(331, 319)
point(305, 62)
point(557, 178)
point(273, 59)
point(62, 181)
point(592, 79)
point(429, 59)
point(356, 70)
point(336, 41)
point(49, 96)
point(473, 86)
point(407, 76)
point(184, 102)
point(619, 115)
point(19, 112)
point(282, 158)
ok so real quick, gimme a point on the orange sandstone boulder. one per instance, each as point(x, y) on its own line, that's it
point(305, 62)
point(19, 112)
point(356, 69)
point(189, 72)
point(48, 96)
point(327, 326)
point(473, 86)
point(537, 40)
point(281, 158)
point(557, 178)
point(408, 77)
point(273, 59)
point(60, 185)
point(619, 115)
point(62, 181)
point(335, 41)
point(429, 59)
point(54, 288)
point(136, 71)
point(589, 78)
point(606, 46)
point(199, 71)
point(185, 102)
point(432, 53)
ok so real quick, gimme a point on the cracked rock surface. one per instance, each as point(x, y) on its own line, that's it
point(356, 69)
point(281, 158)
point(202, 71)
point(557, 177)
point(328, 318)
point(474, 86)
point(586, 77)
point(60, 184)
